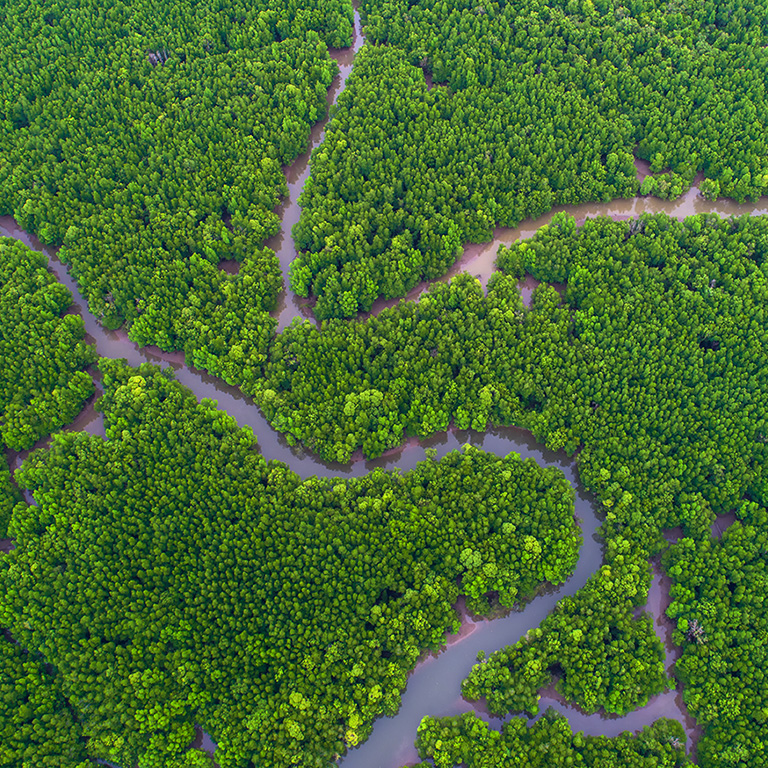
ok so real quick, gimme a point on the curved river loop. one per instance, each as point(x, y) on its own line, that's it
point(434, 686)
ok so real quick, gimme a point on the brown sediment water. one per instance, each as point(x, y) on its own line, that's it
point(296, 174)
point(643, 168)
point(434, 686)
point(479, 259)
point(529, 284)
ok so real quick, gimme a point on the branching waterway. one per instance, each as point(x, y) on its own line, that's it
point(434, 686)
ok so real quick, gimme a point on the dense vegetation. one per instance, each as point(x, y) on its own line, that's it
point(9, 495)
point(37, 727)
point(42, 352)
point(411, 369)
point(601, 656)
point(719, 602)
point(173, 576)
point(148, 137)
point(469, 742)
point(42, 356)
point(546, 102)
point(653, 363)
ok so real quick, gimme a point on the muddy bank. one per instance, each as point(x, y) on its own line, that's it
point(296, 174)
point(479, 259)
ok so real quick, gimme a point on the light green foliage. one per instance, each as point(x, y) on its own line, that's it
point(719, 594)
point(42, 352)
point(538, 103)
point(468, 741)
point(9, 496)
point(602, 657)
point(148, 138)
point(37, 729)
point(173, 576)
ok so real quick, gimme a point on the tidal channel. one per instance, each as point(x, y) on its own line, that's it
point(434, 685)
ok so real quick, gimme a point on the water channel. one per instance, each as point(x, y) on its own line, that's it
point(434, 686)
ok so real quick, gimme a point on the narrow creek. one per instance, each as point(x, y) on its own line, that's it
point(434, 686)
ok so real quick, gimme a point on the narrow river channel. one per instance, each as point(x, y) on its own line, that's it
point(434, 686)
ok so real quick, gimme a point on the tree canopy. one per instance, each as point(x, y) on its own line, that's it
point(43, 384)
point(537, 103)
point(37, 727)
point(468, 741)
point(719, 593)
point(173, 576)
point(148, 138)
point(652, 365)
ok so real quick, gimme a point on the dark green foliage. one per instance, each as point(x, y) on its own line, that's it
point(603, 658)
point(42, 352)
point(546, 102)
point(670, 326)
point(148, 138)
point(9, 495)
point(656, 362)
point(719, 596)
point(37, 729)
point(174, 576)
point(468, 741)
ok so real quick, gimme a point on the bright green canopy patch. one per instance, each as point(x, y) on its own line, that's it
point(174, 576)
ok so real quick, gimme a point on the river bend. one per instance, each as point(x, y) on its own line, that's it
point(434, 686)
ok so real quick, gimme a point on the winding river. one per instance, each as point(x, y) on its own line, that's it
point(434, 685)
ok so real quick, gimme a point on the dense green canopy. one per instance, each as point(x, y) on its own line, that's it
point(148, 137)
point(539, 103)
point(42, 356)
point(655, 362)
point(42, 352)
point(9, 495)
point(173, 576)
point(719, 602)
point(37, 727)
point(469, 742)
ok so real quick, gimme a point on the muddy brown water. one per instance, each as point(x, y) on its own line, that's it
point(434, 685)
point(289, 304)
point(479, 259)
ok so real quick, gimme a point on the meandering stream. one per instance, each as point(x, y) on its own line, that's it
point(433, 687)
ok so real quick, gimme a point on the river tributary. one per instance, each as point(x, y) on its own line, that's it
point(434, 686)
